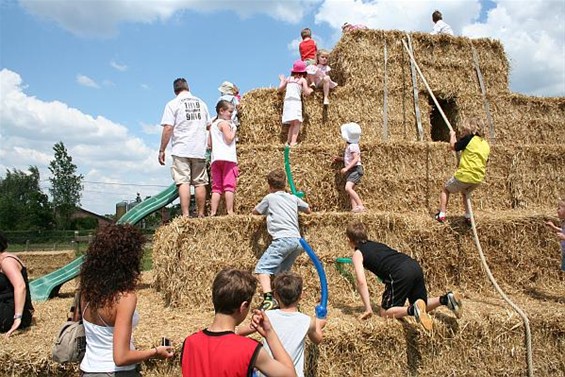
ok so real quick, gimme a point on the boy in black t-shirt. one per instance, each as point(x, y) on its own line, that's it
point(403, 279)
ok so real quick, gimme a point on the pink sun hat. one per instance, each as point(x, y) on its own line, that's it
point(299, 67)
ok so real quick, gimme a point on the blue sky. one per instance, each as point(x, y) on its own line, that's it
point(96, 74)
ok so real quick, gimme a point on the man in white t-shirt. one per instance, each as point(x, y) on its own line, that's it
point(440, 27)
point(184, 120)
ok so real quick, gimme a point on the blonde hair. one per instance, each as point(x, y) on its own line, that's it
point(322, 52)
point(472, 126)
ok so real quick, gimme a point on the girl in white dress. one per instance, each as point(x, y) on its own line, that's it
point(295, 85)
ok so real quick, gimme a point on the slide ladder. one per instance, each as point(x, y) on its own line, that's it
point(48, 286)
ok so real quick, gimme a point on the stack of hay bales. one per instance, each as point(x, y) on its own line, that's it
point(525, 176)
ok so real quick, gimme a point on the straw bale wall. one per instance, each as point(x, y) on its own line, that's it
point(187, 254)
point(406, 176)
point(358, 66)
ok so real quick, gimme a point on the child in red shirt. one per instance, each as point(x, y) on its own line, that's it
point(307, 47)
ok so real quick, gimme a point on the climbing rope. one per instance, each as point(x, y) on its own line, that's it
point(476, 238)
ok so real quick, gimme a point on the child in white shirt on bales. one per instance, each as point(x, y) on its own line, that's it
point(560, 231)
point(353, 170)
point(440, 27)
point(472, 165)
point(291, 326)
point(281, 209)
point(295, 85)
point(224, 157)
point(319, 76)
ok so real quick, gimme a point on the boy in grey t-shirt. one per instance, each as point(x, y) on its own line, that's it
point(281, 209)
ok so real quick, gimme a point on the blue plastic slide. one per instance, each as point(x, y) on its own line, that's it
point(48, 286)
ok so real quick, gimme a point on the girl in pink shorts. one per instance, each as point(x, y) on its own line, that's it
point(224, 159)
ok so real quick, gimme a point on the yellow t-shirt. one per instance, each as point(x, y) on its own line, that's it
point(473, 162)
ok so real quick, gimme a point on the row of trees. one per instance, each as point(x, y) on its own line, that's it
point(23, 206)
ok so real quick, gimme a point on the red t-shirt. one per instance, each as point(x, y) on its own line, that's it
point(218, 354)
point(307, 49)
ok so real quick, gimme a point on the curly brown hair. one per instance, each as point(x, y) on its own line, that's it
point(112, 265)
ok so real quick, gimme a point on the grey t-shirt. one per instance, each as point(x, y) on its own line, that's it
point(281, 209)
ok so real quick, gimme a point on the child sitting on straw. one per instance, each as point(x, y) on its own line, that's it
point(291, 326)
point(295, 84)
point(281, 209)
point(218, 351)
point(319, 76)
point(353, 170)
point(472, 165)
point(560, 231)
point(403, 279)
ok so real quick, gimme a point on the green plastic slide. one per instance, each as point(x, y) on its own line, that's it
point(48, 286)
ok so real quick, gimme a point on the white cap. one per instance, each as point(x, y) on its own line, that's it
point(351, 132)
point(227, 88)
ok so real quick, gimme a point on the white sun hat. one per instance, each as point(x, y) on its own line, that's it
point(351, 132)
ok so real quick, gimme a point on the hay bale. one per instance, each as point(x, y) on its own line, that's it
point(42, 262)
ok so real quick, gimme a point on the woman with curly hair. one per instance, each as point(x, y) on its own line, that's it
point(108, 279)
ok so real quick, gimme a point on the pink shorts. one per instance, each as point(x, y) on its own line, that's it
point(224, 176)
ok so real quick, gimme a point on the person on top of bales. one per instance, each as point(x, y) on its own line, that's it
point(440, 26)
point(472, 166)
point(281, 209)
point(403, 279)
point(307, 48)
point(319, 75)
point(185, 119)
point(560, 232)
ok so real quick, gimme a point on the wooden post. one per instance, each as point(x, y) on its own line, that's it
point(385, 103)
point(486, 104)
point(415, 91)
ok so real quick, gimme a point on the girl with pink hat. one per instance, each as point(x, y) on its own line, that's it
point(295, 84)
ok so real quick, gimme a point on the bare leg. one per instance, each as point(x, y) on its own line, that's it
point(229, 197)
point(464, 197)
point(214, 203)
point(265, 282)
point(432, 304)
point(395, 312)
point(200, 193)
point(349, 188)
point(326, 87)
point(184, 196)
point(443, 200)
point(294, 130)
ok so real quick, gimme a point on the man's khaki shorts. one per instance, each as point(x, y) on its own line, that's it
point(453, 186)
point(189, 170)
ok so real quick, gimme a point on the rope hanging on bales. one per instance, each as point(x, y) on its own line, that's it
point(476, 237)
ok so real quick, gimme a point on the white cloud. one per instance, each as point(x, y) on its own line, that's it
point(152, 129)
point(144, 86)
point(89, 18)
point(104, 151)
point(118, 66)
point(87, 81)
point(533, 34)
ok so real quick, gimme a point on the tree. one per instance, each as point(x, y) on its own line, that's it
point(23, 206)
point(66, 185)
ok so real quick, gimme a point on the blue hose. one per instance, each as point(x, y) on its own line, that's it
point(322, 308)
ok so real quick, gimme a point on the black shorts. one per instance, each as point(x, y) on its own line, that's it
point(408, 283)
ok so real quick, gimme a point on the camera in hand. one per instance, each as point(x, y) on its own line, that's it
point(165, 342)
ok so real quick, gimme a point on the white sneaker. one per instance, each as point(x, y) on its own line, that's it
point(455, 303)
point(422, 317)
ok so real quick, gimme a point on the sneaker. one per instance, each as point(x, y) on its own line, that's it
point(326, 102)
point(422, 317)
point(439, 218)
point(455, 303)
point(269, 303)
point(468, 221)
